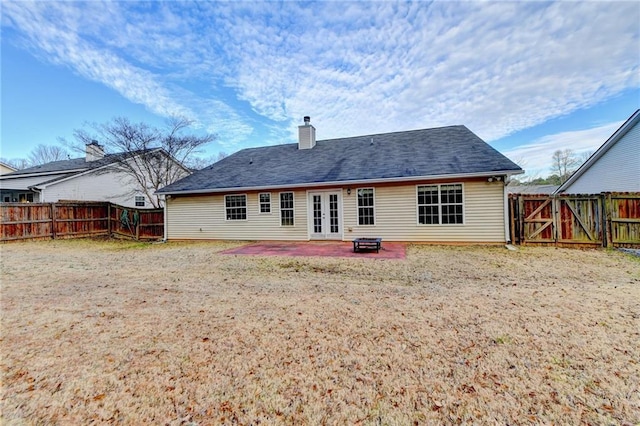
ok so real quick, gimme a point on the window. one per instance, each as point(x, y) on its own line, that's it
point(139, 201)
point(365, 206)
point(440, 204)
point(286, 209)
point(265, 202)
point(236, 207)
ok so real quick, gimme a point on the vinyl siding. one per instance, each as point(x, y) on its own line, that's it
point(395, 217)
point(204, 218)
point(116, 187)
point(23, 183)
point(618, 170)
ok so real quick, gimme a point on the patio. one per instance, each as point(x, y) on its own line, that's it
point(319, 248)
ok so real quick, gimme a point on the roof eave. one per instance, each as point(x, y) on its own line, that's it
point(613, 139)
point(344, 182)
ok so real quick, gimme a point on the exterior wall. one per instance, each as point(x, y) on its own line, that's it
point(4, 169)
point(618, 170)
point(23, 183)
point(396, 216)
point(114, 187)
point(203, 217)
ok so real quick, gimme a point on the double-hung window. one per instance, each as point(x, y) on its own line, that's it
point(286, 209)
point(366, 214)
point(440, 204)
point(139, 199)
point(236, 207)
point(265, 202)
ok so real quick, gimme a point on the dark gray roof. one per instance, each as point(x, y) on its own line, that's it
point(453, 150)
point(66, 165)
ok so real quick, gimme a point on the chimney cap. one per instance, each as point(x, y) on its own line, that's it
point(307, 119)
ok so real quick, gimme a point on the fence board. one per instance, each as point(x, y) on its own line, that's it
point(593, 219)
point(19, 221)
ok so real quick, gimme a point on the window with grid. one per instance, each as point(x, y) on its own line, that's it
point(286, 209)
point(440, 204)
point(139, 200)
point(365, 206)
point(236, 207)
point(265, 202)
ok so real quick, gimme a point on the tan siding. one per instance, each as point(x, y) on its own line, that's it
point(395, 209)
point(204, 218)
point(396, 216)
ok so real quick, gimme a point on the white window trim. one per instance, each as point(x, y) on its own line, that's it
point(293, 201)
point(464, 204)
point(375, 219)
point(246, 206)
point(260, 203)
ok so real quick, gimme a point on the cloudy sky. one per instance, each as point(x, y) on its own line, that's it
point(527, 77)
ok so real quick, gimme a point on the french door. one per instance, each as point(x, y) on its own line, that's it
point(324, 215)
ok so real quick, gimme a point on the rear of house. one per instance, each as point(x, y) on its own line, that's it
point(432, 185)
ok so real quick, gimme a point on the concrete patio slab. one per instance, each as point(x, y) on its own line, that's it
point(324, 248)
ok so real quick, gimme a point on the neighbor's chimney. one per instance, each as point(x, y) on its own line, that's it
point(306, 134)
point(95, 151)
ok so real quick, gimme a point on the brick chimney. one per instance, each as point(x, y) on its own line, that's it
point(95, 151)
point(306, 134)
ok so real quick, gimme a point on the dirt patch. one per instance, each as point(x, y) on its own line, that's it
point(179, 333)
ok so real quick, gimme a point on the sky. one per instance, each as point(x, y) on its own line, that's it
point(527, 77)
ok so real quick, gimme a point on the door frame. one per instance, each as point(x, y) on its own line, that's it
point(326, 236)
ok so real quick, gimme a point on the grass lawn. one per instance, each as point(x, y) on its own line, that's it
point(130, 333)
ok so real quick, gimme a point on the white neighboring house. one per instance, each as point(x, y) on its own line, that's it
point(614, 167)
point(5, 168)
point(96, 177)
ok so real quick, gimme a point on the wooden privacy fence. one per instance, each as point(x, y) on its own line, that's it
point(607, 219)
point(22, 221)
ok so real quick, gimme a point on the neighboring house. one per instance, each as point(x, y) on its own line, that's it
point(531, 189)
point(443, 184)
point(5, 168)
point(614, 167)
point(96, 177)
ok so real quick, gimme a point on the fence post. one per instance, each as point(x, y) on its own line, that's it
point(109, 220)
point(603, 214)
point(520, 219)
point(609, 215)
point(54, 212)
point(556, 223)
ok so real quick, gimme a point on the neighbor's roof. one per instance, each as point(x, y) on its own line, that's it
point(444, 151)
point(613, 139)
point(64, 166)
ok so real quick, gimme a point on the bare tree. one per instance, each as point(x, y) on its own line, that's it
point(563, 163)
point(199, 163)
point(152, 157)
point(46, 153)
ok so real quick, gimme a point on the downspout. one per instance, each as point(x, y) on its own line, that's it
point(507, 234)
point(166, 212)
point(39, 191)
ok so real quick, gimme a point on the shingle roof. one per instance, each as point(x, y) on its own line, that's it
point(453, 150)
point(67, 165)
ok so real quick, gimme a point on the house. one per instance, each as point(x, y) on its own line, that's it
point(614, 167)
point(6, 168)
point(441, 185)
point(95, 177)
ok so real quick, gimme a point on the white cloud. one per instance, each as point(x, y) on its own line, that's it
point(535, 157)
point(355, 67)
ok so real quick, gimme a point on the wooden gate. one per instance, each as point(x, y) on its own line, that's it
point(537, 224)
point(607, 219)
point(579, 219)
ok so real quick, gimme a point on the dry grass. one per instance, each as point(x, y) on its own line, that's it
point(117, 332)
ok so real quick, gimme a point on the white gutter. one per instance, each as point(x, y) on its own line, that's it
point(28, 175)
point(508, 173)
